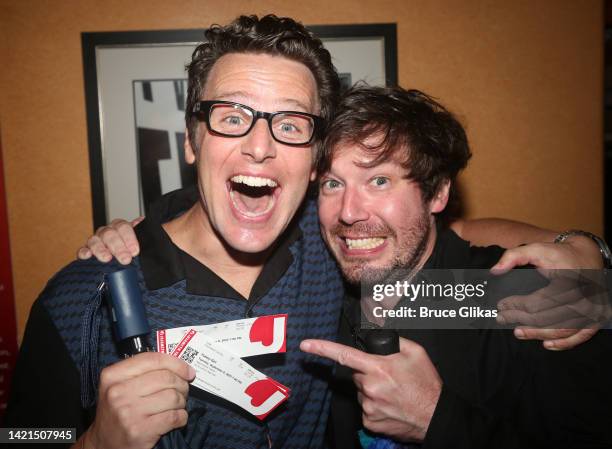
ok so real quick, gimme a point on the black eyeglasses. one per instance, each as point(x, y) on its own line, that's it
point(231, 119)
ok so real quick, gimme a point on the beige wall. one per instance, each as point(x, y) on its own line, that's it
point(525, 77)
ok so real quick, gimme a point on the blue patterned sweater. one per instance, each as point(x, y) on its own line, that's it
point(310, 292)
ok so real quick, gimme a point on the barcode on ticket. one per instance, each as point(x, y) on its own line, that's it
point(189, 354)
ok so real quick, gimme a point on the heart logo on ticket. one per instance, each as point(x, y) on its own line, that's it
point(270, 332)
point(265, 396)
point(260, 391)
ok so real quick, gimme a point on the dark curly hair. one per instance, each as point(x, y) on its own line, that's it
point(434, 144)
point(281, 36)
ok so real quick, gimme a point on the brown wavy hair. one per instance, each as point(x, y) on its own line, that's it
point(280, 36)
point(434, 144)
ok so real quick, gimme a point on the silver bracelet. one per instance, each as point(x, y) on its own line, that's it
point(606, 254)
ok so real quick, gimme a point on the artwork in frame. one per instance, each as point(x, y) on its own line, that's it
point(135, 90)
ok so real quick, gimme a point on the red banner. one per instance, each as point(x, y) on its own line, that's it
point(8, 324)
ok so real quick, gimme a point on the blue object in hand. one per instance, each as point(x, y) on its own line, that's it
point(128, 312)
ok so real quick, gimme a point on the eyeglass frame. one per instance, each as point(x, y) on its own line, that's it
point(203, 109)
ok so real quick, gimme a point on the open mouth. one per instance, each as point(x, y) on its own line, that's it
point(365, 243)
point(253, 196)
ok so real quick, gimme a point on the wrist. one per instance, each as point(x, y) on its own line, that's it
point(428, 410)
point(592, 251)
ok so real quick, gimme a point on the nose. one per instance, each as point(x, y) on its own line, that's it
point(258, 144)
point(354, 208)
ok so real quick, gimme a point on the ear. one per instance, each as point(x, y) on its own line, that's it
point(190, 154)
point(313, 175)
point(440, 200)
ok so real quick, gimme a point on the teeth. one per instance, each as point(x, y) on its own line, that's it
point(370, 243)
point(254, 181)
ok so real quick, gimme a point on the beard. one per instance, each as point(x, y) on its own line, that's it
point(412, 243)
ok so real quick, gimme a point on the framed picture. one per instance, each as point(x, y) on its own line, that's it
point(135, 89)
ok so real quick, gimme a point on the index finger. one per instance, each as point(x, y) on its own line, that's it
point(342, 354)
point(513, 257)
point(145, 362)
point(546, 298)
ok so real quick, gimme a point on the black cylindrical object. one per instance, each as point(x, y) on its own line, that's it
point(128, 312)
point(382, 341)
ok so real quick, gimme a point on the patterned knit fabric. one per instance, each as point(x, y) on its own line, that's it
point(310, 293)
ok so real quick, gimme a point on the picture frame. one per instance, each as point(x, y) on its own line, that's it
point(134, 92)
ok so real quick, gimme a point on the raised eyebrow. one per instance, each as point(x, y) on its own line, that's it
point(242, 97)
point(301, 107)
point(237, 96)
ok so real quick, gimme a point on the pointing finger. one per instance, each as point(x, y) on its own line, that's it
point(342, 354)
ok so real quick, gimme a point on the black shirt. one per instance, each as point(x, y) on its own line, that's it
point(498, 391)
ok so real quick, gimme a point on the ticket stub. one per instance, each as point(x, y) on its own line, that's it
point(247, 337)
point(225, 374)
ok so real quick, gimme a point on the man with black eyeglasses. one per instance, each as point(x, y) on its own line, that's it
point(228, 249)
point(230, 119)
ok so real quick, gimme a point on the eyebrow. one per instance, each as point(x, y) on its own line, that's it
point(363, 165)
point(331, 174)
point(244, 97)
point(298, 104)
